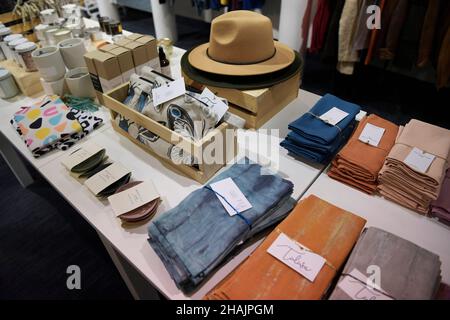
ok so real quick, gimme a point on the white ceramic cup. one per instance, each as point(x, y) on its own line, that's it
point(72, 51)
point(50, 63)
point(79, 82)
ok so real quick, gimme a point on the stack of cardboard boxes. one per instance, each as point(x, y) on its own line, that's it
point(113, 64)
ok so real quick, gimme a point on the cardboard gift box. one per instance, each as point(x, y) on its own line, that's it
point(223, 141)
point(260, 105)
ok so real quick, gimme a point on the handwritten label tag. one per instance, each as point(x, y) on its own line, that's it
point(106, 177)
point(230, 191)
point(360, 289)
point(371, 134)
point(419, 160)
point(168, 92)
point(133, 198)
point(333, 116)
point(305, 262)
point(215, 103)
point(86, 151)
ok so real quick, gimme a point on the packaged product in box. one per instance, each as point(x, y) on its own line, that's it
point(152, 52)
point(140, 58)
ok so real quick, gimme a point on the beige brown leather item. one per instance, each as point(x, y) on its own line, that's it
point(241, 44)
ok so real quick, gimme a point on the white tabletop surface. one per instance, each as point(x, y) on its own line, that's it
point(389, 216)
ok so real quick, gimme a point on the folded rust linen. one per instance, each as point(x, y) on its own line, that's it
point(358, 163)
point(317, 225)
point(407, 185)
point(404, 270)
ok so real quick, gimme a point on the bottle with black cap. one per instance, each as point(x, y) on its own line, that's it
point(164, 62)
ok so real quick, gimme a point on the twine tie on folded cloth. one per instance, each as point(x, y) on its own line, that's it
point(366, 284)
point(326, 121)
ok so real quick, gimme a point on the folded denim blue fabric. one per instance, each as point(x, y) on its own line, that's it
point(314, 129)
point(197, 235)
point(313, 139)
point(312, 150)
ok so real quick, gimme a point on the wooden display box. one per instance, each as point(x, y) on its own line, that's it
point(224, 140)
point(28, 82)
point(260, 105)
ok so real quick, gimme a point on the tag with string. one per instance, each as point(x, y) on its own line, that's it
point(168, 92)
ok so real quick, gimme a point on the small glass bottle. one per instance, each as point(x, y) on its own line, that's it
point(164, 62)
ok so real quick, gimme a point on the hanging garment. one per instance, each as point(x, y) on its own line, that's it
point(373, 37)
point(320, 25)
point(358, 163)
point(330, 49)
point(440, 208)
point(193, 238)
point(428, 35)
point(408, 186)
point(443, 66)
point(406, 271)
point(324, 229)
point(50, 124)
point(407, 48)
point(395, 15)
point(316, 140)
point(347, 29)
point(306, 23)
point(361, 37)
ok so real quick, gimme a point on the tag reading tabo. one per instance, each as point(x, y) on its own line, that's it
point(419, 160)
point(305, 262)
point(333, 116)
point(357, 287)
point(86, 151)
point(227, 189)
point(215, 103)
point(371, 134)
point(133, 198)
point(168, 92)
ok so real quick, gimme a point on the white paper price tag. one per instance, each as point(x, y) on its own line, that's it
point(419, 160)
point(357, 287)
point(305, 262)
point(333, 116)
point(86, 151)
point(216, 104)
point(227, 189)
point(371, 134)
point(168, 92)
point(106, 177)
point(133, 198)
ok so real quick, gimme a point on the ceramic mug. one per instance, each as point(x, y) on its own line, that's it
point(50, 63)
point(79, 82)
point(72, 51)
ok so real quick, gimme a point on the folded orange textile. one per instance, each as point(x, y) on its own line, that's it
point(315, 224)
point(358, 163)
point(406, 185)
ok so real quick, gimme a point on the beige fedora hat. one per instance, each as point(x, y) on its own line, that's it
point(241, 44)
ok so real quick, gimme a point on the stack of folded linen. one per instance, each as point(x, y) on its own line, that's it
point(358, 163)
point(318, 140)
point(50, 124)
point(317, 226)
point(193, 238)
point(405, 271)
point(440, 208)
point(407, 176)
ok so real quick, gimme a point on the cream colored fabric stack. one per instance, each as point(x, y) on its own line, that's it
point(405, 184)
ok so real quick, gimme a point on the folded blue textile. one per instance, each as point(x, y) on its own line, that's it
point(300, 146)
point(314, 129)
point(312, 138)
point(196, 236)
